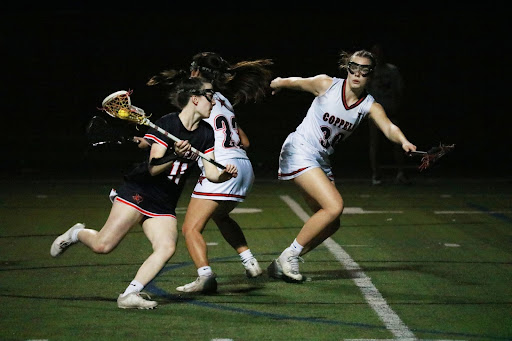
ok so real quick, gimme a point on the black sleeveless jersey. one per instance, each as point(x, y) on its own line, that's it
point(164, 189)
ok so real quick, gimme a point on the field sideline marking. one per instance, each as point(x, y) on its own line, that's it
point(346, 210)
point(238, 210)
point(472, 212)
point(391, 320)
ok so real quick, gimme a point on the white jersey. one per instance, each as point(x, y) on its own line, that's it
point(227, 140)
point(223, 121)
point(330, 120)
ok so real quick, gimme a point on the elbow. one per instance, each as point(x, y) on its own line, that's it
point(153, 171)
point(214, 180)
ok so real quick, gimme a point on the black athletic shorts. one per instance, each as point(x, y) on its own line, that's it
point(150, 200)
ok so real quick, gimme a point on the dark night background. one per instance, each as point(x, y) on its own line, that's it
point(59, 64)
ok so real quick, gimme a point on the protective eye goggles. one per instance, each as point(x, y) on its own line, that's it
point(364, 70)
point(208, 93)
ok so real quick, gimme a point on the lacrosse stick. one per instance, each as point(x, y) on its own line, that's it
point(118, 104)
point(431, 156)
point(100, 132)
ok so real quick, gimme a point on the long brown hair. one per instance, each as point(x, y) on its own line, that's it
point(179, 85)
point(243, 82)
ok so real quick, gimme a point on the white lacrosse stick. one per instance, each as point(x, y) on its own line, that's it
point(118, 105)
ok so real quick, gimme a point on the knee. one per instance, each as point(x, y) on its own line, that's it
point(335, 210)
point(187, 232)
point(168, 251)
point(165, 250)
point(103, 247)
point(191, 231)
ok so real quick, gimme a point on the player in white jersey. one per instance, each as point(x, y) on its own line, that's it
point(338, 108)
point(239, 83)
point(230, 141)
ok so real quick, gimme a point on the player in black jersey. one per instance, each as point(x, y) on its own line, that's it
point(151, 190)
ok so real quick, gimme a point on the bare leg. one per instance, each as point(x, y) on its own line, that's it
point(234, 235)
point(326, 202)
point(121, 219)
point(162, 232)
point(322, 194)
point(199, 211)
point(326, 233)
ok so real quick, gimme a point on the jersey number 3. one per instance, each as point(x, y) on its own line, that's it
point(328, 140)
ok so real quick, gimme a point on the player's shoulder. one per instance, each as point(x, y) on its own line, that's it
point(322, 77)
point(222, 102)
point(169, 116)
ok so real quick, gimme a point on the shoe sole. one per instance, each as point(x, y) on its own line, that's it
point(251, 276)
point(212, 290)
point(288, 279)
point(140, 308)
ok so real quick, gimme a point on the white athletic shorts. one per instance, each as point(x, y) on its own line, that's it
point(298, 156)
point(235, 189)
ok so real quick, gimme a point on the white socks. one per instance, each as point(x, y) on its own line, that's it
point(134, 286)
point(246, 256)
point(205, 271)
point(74, 235)
point(296, 247)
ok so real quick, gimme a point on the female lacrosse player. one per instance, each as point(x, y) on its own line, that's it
point(338, 108)
point(239, 83)
point(151, 190)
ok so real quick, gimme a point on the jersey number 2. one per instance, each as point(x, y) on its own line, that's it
point(222, 123)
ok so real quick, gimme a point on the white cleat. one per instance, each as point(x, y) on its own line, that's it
point(289, 264)
point(203, 284)
point(62, 242)
point(252, 268)
point(134, 300)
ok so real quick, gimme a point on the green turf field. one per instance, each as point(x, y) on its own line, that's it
point(430, 261)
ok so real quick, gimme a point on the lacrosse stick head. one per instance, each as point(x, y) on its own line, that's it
point(434, 154)
point(100, 132)
point(118, 104)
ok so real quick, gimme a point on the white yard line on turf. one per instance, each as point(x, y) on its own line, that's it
point(237, 210)
point(472, 212)
point(390, 319)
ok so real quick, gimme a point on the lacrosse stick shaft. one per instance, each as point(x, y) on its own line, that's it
point(175, 139)
point(417, 152)
point(118, 105)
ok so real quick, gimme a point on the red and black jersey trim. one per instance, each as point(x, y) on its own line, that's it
point(143, 211)
point(219, 195)
point(294, 172)
point(347, 107)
